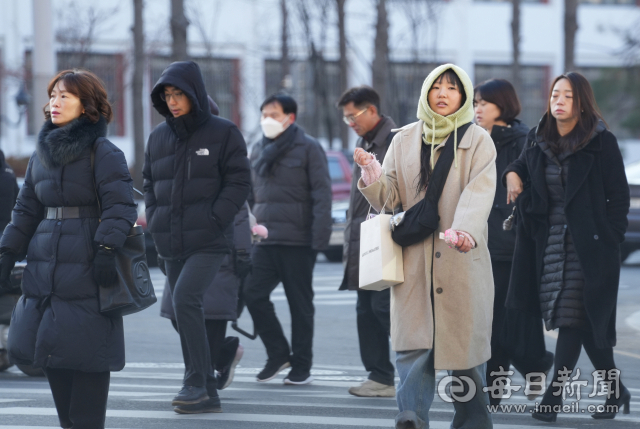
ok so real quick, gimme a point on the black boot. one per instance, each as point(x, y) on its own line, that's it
point(612, 406)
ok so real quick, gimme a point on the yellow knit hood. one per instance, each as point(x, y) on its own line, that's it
point(437, 127)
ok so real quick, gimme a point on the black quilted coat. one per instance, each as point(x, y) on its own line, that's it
point(196, 172)
point(596, 204)
point(56, 322)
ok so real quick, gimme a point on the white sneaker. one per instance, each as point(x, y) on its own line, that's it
point(373, 389)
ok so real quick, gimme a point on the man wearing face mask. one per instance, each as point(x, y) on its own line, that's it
point(292, 198)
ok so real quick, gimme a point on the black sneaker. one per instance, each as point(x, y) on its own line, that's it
point(298, 377)
point(211, 405)
point(272, 369)
point(226, 372)
point(190, 395)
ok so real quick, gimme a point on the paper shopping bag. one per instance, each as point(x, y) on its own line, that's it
point(380, 256)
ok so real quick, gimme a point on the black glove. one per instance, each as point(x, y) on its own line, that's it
point(104, 267)
point(242, 264)
point(162, 265)
point(7, 262)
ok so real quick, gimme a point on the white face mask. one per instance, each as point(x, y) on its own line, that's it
point(272, 128)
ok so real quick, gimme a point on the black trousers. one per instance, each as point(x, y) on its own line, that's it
point(216, 332)
point(500, 356)
point(568, 348)
point(293, 266)
point(80, 397)
point(374, 326)
point(188, 280)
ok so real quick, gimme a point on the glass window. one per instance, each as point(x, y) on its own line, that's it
point(315, 92)
point(405, 84)
point(533, 93)
point(221, 79)
point(617, 92)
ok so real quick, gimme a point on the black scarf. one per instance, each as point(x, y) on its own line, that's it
point(58, 146)
point(272, 150)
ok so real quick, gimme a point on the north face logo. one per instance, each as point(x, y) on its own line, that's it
point(202, 152)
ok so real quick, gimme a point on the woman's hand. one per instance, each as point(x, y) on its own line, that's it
point(362, 157)
point(464, 245)
point(514, 186)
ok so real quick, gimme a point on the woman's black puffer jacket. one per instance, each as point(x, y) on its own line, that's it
point(562, 282)
point(57, 322)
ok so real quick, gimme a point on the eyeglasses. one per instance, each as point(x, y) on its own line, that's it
point(351, 119)
point(177, 96)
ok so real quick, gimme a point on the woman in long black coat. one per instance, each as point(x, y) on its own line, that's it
point(495, 107)
point(69, 244)
point(572, 217)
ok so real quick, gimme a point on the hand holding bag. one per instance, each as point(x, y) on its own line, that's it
point(381, 264)
point(134, 291)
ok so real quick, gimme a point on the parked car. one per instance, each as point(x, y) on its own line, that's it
point(632, 237)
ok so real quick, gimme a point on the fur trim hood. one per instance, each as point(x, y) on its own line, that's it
point(58, 146)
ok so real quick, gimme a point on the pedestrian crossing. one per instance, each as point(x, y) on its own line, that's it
point(140, 397)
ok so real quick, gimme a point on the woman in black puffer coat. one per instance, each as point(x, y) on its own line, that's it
point(69, 244)
point(572, 218)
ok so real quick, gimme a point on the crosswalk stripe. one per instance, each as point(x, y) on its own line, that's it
point(252, 418)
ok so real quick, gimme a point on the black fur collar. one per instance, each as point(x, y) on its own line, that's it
point(58, 146)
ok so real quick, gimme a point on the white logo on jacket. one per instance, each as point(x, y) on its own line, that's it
point(202, 152)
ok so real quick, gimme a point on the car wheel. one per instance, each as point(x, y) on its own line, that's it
point(333, 255)
point(31, 371)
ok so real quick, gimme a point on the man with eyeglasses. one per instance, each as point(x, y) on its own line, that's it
point(360, 109)
point(292, 198)
point(196, 178)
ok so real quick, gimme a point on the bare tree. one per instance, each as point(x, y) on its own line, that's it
point(515, 41)
point(179, 24)
point(380, 66)
point(570, 30)
point(342, 40)
point(138, 91)
point(80, 26)
point(285, 63)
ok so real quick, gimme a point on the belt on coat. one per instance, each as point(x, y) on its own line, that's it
point(71, 212)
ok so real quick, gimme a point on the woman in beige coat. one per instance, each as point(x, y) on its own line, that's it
point(441, 315)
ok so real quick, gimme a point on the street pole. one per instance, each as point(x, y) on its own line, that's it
point(44, 55)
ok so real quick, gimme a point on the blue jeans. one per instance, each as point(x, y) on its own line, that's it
point(417, 387)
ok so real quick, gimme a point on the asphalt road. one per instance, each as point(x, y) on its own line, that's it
point(140, 394)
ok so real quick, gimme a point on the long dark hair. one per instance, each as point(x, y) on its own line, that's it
point(425, 154)
point(585, 109)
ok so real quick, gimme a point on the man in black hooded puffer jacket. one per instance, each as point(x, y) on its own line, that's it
point(196, 178)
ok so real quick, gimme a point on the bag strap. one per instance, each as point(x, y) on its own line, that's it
point(443, 166)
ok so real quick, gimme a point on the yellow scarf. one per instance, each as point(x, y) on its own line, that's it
point(436, 127)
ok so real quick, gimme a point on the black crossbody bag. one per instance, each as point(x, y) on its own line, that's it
point(134, 291)
point(420, 221)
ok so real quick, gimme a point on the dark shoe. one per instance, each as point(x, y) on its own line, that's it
point(190, 395)
point(211, 405)
point(545, 417)
point(225, 375)
point(298, 377)
point(272, 369)
point(409, 420)
point(614, 404)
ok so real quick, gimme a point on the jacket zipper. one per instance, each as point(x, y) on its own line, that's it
point(189, 168)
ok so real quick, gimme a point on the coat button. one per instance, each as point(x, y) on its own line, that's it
point(595, 237)
point(59, 223)
point(437, 254)
point(439, 290)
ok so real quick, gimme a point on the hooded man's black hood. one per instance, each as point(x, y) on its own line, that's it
point(186, 76)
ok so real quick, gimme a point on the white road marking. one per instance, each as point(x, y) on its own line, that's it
point(634, 320)
point(255, 418)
